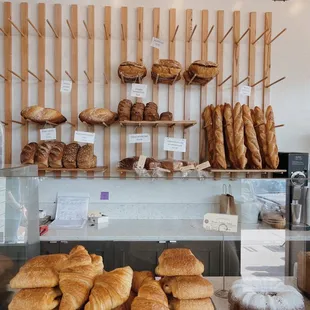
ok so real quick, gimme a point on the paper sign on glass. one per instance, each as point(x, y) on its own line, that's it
point(84, 137)
point(246, 91)
point(48, 134)
point(220, 222)
point(138, 90)
point(66, 86)
point(139, 138)
point(157, 43)
point(175, 145)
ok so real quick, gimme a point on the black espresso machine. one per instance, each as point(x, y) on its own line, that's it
point(297, 208)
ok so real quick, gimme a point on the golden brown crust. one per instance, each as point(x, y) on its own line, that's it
point(124, 108)
point(56, 154)
point(194, 79)
point(166, 116)
point(128, 302)
point(166, 71)
point(140, 278)
point(42, 115)
point(251, 139)
point(54, 261)
point(42, 154)
point(240, 148)
point(151, 112)
point(131, 72)
point(128, 163)
point(203, 69)
point(27, 155)
point(208, 118)
point(137, 112)
point(97, 263)
point(98, 116)
point(86, 158)
point(191, 304)
point(273, 154)
point(69, 158)
point(219, 153)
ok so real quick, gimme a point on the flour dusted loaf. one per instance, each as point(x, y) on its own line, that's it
point(70, 153)
point(28, 153)
point(131, 72)
point(166, 71)
point(191, 304)
point(42, 115)
point(86, 158)
point(98, 116)
point(178, 262)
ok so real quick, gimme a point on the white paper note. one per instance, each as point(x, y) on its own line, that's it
point(220, 222)
point(138, 90)
point(175, 145)
point(139, 138)
point(157, 43)
point(66, 86)
point(84, 137)
point(141, 162)
point(246, 91)
point(202, 166)
point(48, 134)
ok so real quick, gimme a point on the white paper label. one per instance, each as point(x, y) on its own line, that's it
point(157, 43)
point(220, 222)
point(202, 166)
point(84, 137)
point(139, 138)
point(141, 162)
point(187, 168)
point(175, 145)
point(48, 134)
point(138, 90)
point(246, 91)
point(66, 86)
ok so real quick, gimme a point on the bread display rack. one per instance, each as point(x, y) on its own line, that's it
point(210, 35)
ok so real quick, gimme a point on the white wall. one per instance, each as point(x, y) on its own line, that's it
point(290, 58)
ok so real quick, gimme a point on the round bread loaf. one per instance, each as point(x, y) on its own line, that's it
point(194, 79)
point(166, 71)
point(203, 69)
point(131, 72)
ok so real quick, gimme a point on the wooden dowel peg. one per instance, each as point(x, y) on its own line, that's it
point(14, 25)
point(248, 30)
point(70, 77)
point(175, 79)
point(191, 36)
point(175, 33)
point(267, 30)
point(70, 28)
point(276, 82)
point(73, 125)
point(278, 126)
point(157, 77)
point(139, 35)
point(88, 33)
point(2, 76)
point(122, 78)
point(208, 34)
point(242, 81)
point(17, 75)
point(50, 123)
point(53, 29)
point(34, 75)
point(157, 33)
point(106, 80)
point(262, 80)
point(192, 79)
point(225, 80)
point(51, 75)
point(17, 122)
point(4, 123)
point(34, 27)
point(123, 33)
point(227, 33)
point(277, 36)
point(3, 32)
point(106, 32)
point(88, 78)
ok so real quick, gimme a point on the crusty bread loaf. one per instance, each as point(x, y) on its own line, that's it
point(86, 158)
point(191, 304)
point(187, 287)
point(178, 262)
point(42, 115)
point(194, 79)
point(166, 116)
point(272, 146)
point(240, 148)
point(151, 112)
point(229, 134)
point(208, 118)
point(124, 108)
point(128, 163)
point(56, 154)
point(203, 69)
point(137, 112)
point(36, 299)
point(219, 153)
point(42, 154)
point(251, 138)
point(98, 116)
point(70, 152)
point(131, 72)
point(166, 71)
point(27, 155)
point(140, 278)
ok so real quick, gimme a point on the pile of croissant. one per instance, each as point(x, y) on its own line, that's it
point(240, 138)
point(57, 154)
point(139, 112)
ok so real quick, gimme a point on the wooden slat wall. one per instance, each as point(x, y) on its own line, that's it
point(7, 12)
point(252, 58)
point(236, 54)
point(107, 87)
point(203, 89)
point(24, 64)
point(220, 56)
point(124, 34)
point(41, 54)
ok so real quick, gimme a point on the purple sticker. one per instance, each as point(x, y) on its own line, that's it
point(104, 196)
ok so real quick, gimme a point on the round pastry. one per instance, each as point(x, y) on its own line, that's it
point(203, 69)
point(131, 72)
point(166, 71)
point(264, 294)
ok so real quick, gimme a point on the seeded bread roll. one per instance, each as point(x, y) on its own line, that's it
point(27, 155)
point(70, 155)
point(131, 72)
point(271, 139)
point(56, 155)
point(219, 155)
point(86, 158)
point(166, 71)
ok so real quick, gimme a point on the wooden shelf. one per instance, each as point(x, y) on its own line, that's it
point(97, 169)
point(185, 124)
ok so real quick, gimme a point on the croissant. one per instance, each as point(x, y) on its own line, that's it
point(97, 263)
point(140, 278)
point(78, 256)
point(128, 303)
point(54, 261)
point(111, 289)
point(42, 115)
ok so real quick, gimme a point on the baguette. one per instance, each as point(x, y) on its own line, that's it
point(240, 148)
point(251, 139)
point(273, 155)
point(219, 155)
point(208, 118)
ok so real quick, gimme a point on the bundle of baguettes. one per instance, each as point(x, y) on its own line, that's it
point(182, 280)
point(239, 138)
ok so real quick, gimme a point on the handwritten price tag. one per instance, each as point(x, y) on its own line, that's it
point(175, 145)
point(66, 86)
point(246, 91)
point(138, 90)
point(139, 138)
point(84, 137)
point(220, 222)
point(157, 43)
point(48, 134)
